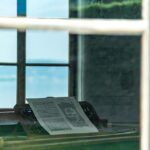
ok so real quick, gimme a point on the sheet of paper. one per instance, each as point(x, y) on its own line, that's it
point(62, 115)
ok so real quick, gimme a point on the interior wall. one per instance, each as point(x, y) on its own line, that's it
point(109, 66)
point(110, 76)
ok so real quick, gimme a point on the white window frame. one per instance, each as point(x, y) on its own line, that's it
point(111, 27)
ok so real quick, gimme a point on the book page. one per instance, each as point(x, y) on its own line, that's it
point(62, 115)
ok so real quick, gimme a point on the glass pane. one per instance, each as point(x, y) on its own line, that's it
point(8, 8)
point(46, 81)
point(47, 47)
point(8, 45)
point(7, 86)
point(109, 79)
point(8, 38)
point(110, 75)
point(113, 9)
point(48, 8)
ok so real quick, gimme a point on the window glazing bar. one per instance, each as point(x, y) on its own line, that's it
point(77, 26)
point(21, 46)
point(8, 64)
point(48, 65)
point(145, 79)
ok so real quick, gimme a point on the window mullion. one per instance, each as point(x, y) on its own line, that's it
point(21, 58)
point(145, 79)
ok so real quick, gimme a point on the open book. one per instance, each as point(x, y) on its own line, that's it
point(61, 115)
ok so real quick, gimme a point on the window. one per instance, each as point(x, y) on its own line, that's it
point(47, 52)
point(8, 57)
point(123, 27)
point(33, 63)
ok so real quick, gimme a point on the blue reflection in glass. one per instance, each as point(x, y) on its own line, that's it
point(46, 81)
point(7, 87)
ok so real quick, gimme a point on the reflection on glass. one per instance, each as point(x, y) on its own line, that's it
point(48, 8)
point(46, 81)
point(109, 79)
point(8, 8)
point(47, 47)
point(8, 45)
point(126, 9)
point(7, 87)
point(110, 74)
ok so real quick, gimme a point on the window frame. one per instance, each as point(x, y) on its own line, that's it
point(142, 28)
